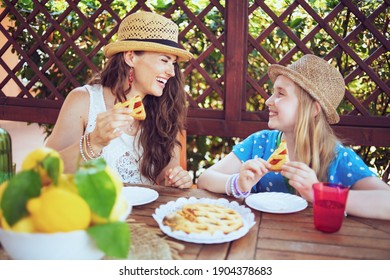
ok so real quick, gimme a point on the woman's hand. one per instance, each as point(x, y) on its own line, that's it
point(251, 172)
point(301, 177)
point(110, 125)
point(178, 177)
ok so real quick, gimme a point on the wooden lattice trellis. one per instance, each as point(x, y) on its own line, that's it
point(233, 85)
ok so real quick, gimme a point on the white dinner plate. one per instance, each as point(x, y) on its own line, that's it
point(139, 195)
point(248, 219)
point(274, 202)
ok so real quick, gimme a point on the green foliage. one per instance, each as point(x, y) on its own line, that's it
point(22, 187)
point(96, 187)
point(112, 238)
point(377, 158)
point(204, 151)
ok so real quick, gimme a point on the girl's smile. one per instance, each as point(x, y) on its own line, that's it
point(283, 104)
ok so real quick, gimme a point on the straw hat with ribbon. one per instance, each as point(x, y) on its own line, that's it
point(146, 31)
point(320, 79)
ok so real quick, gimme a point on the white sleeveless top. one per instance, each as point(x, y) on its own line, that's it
point(122, 154)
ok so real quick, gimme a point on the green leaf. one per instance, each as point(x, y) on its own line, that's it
point(52, 166)
point(96, 164)
point(95, 185)
point(23, 186)
point(112, 238)
point(296, 22)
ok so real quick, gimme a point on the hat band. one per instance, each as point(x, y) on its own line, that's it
point(158, 41)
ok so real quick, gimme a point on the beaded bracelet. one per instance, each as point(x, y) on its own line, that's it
point(89, 146)
point(232, 188)
point(227, 186)
point(81, 148)
point(87, 155)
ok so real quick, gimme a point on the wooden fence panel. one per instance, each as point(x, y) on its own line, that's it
point(237, 87)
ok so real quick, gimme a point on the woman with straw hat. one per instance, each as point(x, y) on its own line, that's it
point(301, 109)
point(143, 62)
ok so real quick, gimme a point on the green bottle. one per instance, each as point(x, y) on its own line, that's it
point(6, 169)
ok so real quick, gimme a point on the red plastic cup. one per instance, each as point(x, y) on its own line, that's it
point(329, 206)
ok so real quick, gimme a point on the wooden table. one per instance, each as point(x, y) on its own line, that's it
point(281, 236)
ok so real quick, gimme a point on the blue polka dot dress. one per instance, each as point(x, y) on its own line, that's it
point(346, 168)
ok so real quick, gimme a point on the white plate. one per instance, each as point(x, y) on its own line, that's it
point(204, 238)
point(138, 195)
point(274, 202)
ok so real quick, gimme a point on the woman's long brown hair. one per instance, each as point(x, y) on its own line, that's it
point(165, 115)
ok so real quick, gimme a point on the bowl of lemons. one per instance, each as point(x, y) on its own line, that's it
point(46, 214)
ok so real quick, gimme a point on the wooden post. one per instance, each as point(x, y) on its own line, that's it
point(236, 33)
point(183, 151)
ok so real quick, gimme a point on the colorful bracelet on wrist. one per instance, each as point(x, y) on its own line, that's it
point(232, 184)
point(233, 190)
point(237, 189)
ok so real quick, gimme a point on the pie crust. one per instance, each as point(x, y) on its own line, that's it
point(135, 103)
point(201, 218)
point(279, 157)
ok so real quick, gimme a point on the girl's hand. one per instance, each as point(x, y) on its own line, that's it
point(178, 177)
point(110, 125)
point(301, 177)
point(251, 172)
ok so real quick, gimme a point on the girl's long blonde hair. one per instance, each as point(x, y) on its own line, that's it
point(315, 140)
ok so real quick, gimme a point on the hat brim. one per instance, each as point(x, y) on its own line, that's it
point(275, 70)
point(123, 46)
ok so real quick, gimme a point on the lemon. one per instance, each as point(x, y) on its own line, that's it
point(66, 182)
point(120, 205)
point(25, 224)
point(4, 223)
point(2, 188)
point(117, 211)
point(47, 162)
point(115, 179)
point(58, 210)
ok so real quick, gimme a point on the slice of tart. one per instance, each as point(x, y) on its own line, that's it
point(136, 105)
point(279, 157)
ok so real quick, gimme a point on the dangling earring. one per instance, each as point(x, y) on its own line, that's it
point(131, 76)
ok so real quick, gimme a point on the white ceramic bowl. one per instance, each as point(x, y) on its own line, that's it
point(74, 245)
point(55, 246)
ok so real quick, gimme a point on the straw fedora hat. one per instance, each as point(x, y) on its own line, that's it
point(146, 31)
point(319, 78)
